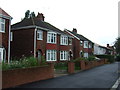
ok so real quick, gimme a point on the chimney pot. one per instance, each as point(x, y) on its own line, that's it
point(75, 30)
point(40, 16)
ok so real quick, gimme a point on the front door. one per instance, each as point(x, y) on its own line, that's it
point(39, 56)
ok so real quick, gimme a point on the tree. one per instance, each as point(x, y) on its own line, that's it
point(117, 48)
point(29, 14)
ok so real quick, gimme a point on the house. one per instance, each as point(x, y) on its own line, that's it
point(35, 37)
point(82, 47)
point(102, 50)
point(5, 22)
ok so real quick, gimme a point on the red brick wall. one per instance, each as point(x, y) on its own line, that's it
point(15, 77)
point(5, 37)
point(23, 43)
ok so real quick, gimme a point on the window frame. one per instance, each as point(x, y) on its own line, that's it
point(51, 37)
point(63, 40)
point(86, 44)
point(64, 55)
point(52, 55)
point(2, 23)
point(40, 33)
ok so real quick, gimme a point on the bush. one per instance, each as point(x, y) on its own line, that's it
point(109, 57)
point(79, 59)
point(22, 63)
point(61, 65)
point(117, 58)
point(91, 58)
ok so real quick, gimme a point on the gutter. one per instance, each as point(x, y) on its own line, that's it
point(35, 42)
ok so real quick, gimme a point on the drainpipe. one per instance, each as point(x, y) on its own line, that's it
point(35, 42)
point(9, 40)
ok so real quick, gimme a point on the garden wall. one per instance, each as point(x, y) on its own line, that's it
point(11, 78)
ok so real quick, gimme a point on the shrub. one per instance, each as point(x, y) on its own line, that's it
point(91, 58)
point(109, 57)
point(79, 59)
point(117, 58)
point(61, 65)
point(22, 63)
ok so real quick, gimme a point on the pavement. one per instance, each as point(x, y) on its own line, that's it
point(104, 77)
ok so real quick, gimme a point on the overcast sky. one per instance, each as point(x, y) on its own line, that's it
point(95, 19)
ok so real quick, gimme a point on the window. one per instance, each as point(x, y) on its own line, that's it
point(51, 37)
point(90, 45)
point(81, 43)
point(63, 55)
point(1, 54)
point(70, 41)
point(63, 40)
point(2, 25)
point(39, 35)
point(51, 55)
point(86, 55)
point(11, 36)
point(81, 53)
point(85, 44)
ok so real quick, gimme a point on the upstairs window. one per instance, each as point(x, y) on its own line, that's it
point(11, 36)
point(85, 44)
point(70, 41)
point(39, 35)
point(81, 43)
point(90, 45)
point(63, 40)
point(51, 37)
point(2, 25)
point(63, 55)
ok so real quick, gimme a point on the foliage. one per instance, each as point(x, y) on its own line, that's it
point(117, 58)
point(22, 63)
point(43, 61)
point(91, 58)
point(109, 57)
point(61, 65)
point(29, 14)
point(117, 46)
point(79, 59)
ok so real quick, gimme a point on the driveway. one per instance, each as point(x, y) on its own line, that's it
point(99, 77)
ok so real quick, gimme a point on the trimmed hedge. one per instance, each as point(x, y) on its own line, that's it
point(109, 57)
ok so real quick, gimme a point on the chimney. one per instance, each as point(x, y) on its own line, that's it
point(107, 45)
point(40, 16)
point(74, 30)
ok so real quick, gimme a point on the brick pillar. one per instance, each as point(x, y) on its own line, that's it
point(82, 65)
point(71, 66)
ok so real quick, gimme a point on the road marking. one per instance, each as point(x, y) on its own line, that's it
point(116, 84)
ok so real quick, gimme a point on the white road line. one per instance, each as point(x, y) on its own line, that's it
point(116, 84)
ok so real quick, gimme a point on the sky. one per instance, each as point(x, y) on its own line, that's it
point(95, 19)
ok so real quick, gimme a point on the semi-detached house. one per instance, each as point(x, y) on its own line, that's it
point(5, 22)
point(82, 47)
point(35, 37)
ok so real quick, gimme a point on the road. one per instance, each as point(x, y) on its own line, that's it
point(99, 77)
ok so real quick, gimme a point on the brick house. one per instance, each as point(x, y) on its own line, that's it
point(82, 47)
point(35, 37)
point(5, 22)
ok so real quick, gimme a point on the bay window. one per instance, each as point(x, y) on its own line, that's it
point(2, 25)
point(51, 55)
point(63, 40)
point(63, 55)
point(51, 37)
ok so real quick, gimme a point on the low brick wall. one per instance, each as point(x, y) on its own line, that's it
point(71, 67)
point(11, 78)
point(90, 64)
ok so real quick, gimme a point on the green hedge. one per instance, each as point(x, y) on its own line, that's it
point(109, 57)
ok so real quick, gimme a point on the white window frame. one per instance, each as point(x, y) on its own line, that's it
point(39, 35)
point(51, 55)
point(85, 44)
point(63, 55)
point(70, 41)
point(86, 55)
point(81, 43)
point(63, 40)
point(1, 54)
point(51, 37)
point(11, 36)
point(2, 22)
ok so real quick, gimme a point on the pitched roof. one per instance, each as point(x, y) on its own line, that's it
point(3, 13)
point(36, 22)
point(81, 37)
